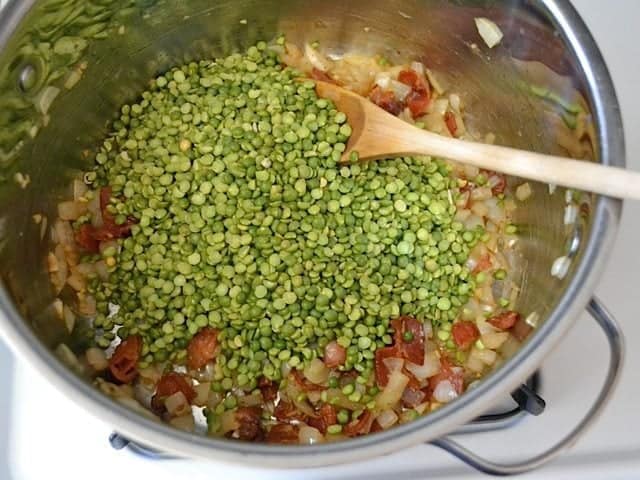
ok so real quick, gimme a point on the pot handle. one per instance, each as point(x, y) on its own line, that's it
point(615, 341)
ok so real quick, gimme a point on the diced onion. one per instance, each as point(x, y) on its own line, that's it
point(473, 221)
point(184, 422)
point(393, 364)
point(487, 356)
point(97, 359)
point(383, 79)
point(494, 340)
point(309, 436)
point(427, 327)
point(387, 419)
point(177, 404)
point(480, 209)
point(489, 31)
point(79, 189)
point(316, 372)
point(418, 68)
point(523, 192)
point(430, 367)
point(69, 318)
point(316, 59)
point(202, 394)
point(45, 98)
point(399, 89)
point(481, 193)
point(444, 392)
point(228, 421)
point(392, 393)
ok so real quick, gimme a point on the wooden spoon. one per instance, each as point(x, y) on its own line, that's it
point(378, 134)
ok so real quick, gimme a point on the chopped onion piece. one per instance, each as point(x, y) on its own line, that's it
point(523, 192)
point(489, 31)
point(177, 405)
point(494, 340)
point(429, 368)
point(45, 98)
point(202, 394)
point(228, 421)
point(387, 419)
point(392, 393)
point(445, 392)
point(418, 67)
point(309, 436)
point(316, 372)
point(316, 58)
point(97, 359)
point(393, 364)
point(184, 422)
point(399, 89)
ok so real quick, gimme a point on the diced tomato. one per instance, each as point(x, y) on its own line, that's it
point(202, 348)
point(169, 384)
point(375, 427)
point(413, 349)
point(386, 100)
point(86, 238)
point(304, 384)
point(110, 230)
point(284, 434)
point(418, 103)
point(484, 263)
point(317, 74)
point(326, 417)
point(123, 363)
point(420, 97)
point(360, 426)
point(334, 355)
point(450, 121)
point(465, 334)
point(447, 372)
point(105, 197)
point(249, 428)
point(417, 83)
point(382, 372)
point(505, 320)
point(268, 388)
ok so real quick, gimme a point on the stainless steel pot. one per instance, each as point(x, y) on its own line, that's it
point(67, 65)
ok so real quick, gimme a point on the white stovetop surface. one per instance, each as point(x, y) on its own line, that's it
point(42, 434)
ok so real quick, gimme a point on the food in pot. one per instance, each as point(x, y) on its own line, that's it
point(232, 269)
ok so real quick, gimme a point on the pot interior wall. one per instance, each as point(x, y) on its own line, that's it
point(109, 50)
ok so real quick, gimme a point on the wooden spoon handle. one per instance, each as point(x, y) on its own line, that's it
point(578, 174)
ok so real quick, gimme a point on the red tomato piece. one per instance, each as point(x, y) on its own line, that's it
point(418, 103)
point(123, 363)
point(360, 426)
point(417, 83)
point(382, 372)
point(86, 238)
point(334, 355)
point(386, 100)
point(284, 434)
point(202, 348)
point(465, 334)
point(411, 349)
point(450, 121)
point(505, 320)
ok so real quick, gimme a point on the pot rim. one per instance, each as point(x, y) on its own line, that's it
point(606, 215)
